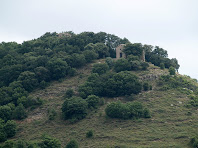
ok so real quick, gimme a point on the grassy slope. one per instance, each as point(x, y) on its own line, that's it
point(170, 125)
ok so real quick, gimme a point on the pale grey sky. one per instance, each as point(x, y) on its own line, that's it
point(170, 24)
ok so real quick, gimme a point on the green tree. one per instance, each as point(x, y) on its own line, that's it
point(90, 55)
point(74, 108)
point(5, 112)
point(93, 101)
point(57, 67)
point(172, 70)
point(122, 65)
point(134, 49)
point(69, 93)
point(49, 142)
point(102, 50)
point(28, 80)
point(109, 61)
point(10, 128)
point(162, 66)
point(19, 112)
point(100, 68)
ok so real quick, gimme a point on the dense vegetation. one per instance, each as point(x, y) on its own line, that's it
point(34, 64)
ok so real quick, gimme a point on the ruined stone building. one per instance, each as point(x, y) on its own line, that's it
point(119, 51)
point(121, 54)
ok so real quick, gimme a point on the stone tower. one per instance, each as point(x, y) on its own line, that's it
point(119, 51)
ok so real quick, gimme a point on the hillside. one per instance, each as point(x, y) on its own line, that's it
point(170, 125)
point(61, 87)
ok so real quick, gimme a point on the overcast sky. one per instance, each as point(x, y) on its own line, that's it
point(170, 24)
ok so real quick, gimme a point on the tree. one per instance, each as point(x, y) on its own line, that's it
point(69, 93)
point(90, 55)
point(19, 112)
point(93, 101)
point(10, 128)
point(100, 68)
point(42, 74)
point(134, 49)
point(5, 112)
point(74, 108)
point(162, 66)
point(110, 62)
point(49, 142)
point(28, 80)
point(122, 65)
point(160, 51)
point(58, 68)
point(172, 70)
point(102, 50)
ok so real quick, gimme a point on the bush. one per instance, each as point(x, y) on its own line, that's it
point(93, 101)
point(110, 62)
point(126, 111)
point(146, 86)
point(69, 93)
point(194, 141)
point(162, 66)
point(111, 85)
point(52, 114)
point(89, 134)
point(19, 112)
point(135, 65)
point(10, 128)
point(133, 58)
point(172, 70)
point(122, 65)
point(49, 142)
point(74, 108)
point(100, 68)
point(72, 144)
point(144, 65)
point(5, 112)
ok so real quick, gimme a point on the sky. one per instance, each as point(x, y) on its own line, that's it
point(170, 24)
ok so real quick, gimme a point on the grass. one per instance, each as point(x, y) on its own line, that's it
point(171, 125)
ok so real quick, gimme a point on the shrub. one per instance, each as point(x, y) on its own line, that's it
point(122, 65)
point(90, 55)
point(100, 68)
point(144, 65)
point(52, 114)
point(126, 111)
point(93, 101)
point(111, 85)
point(72, 72)
point(72, 144)
point(117, 110)
point(147, 113)
point(146, 86)
point(132, 58)
point(5, 112)
point(135, 65)
point(194, 141)
point(69, 93)
point(10, 128)
point(89, 134)
point(19, 112)
point(49, 142)
point(110, 62)
point(74, 108)
point(172, 70)
point(162, 66)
